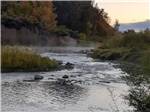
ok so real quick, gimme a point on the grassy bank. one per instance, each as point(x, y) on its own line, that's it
point(14, 59)
point(130, 47)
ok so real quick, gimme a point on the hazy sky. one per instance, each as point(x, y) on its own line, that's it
point(126, 11)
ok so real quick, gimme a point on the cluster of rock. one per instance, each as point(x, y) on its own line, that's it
point(68, 65)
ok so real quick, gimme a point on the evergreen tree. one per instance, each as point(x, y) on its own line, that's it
point(116, 25)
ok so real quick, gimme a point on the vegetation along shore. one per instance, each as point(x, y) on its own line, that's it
point(132, 50)
point(130, 46)
point(14, 59)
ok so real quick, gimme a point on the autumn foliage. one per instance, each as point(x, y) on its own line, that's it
point(48, 19)
point(38, 13)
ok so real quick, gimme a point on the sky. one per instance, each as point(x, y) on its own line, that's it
point(126, 11)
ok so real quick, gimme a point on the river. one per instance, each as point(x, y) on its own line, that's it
point(98, 87)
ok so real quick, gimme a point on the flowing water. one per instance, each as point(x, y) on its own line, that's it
point(98, 87)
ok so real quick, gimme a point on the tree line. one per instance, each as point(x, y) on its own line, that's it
point(50, 16)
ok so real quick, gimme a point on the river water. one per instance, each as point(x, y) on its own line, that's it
point(98, 87)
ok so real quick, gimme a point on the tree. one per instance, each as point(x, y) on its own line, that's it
point(83, 16)
point(116, 25)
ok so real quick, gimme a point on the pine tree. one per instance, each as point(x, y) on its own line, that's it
point(116, 25)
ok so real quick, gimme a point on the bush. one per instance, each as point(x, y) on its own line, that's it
point(82, 36)
point(113, 42)
point(14, 59)
point(109, 54)
point(130, 39)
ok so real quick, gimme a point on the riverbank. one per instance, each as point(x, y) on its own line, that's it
point(125, 55)
point(131, 47)
point(14, 59)
point(132, 51)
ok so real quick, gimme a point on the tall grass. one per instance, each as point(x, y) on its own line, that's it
point(130, 46)
point(145, 60)
point(14, 59)
point(138, 40)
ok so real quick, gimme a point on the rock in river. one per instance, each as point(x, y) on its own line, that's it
point(69, 65)
point(38, 77)
point(65, 76)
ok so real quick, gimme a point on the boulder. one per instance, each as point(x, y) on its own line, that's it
point(61, 81)
point(105, 81)
point(38, 77)
point(65, 77)
point(69, 65)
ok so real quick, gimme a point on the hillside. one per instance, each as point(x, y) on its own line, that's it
point(52, 23)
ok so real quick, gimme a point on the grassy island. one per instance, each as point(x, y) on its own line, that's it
point(14, 59)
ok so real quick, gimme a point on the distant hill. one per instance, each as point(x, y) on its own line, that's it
point(138, 26)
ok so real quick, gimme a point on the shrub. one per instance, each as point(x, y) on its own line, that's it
point(82, 36)
point(110, 54)
point(113, 42)
point(131, 39)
